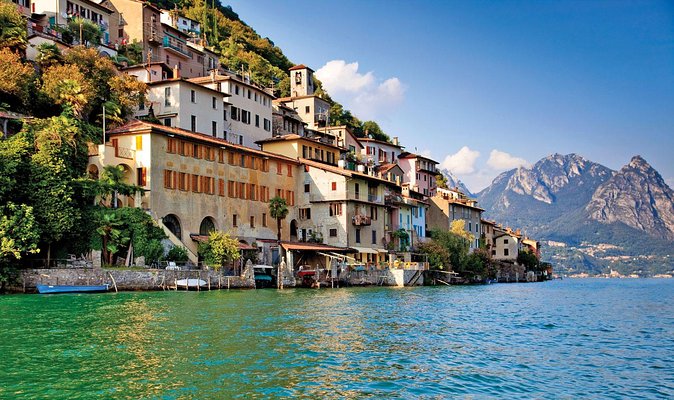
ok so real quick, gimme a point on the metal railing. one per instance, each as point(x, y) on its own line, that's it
point(123, 152)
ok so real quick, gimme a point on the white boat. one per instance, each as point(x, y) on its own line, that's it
point(191, 283)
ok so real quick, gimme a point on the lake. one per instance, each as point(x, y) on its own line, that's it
point(590, 338)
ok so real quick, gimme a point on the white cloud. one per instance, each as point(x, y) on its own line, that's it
point(425, 153)
point(501, 161)
point(462, 162)
point(362, 93)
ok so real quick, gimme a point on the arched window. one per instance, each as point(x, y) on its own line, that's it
point(173, 224)
point(207, 226)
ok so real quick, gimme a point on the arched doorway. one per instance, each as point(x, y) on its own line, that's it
point(207, 226)
point(172, 222)
point(293, 231)
point(92, 171)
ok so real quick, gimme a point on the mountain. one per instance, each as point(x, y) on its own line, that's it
point(453, 181)
point(533, 197)
point(594, 217)
point(636, 196)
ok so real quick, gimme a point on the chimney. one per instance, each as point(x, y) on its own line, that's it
point(176, 72)
point(214, 73)
point(395, 140)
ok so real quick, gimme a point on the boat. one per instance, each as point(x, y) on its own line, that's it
point(190, 283)
point(49, 289)
point(263, 276)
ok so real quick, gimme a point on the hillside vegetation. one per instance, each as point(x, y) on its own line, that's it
point(242, 49)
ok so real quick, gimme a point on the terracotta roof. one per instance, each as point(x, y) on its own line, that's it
point(291, 98)
point(344, 171)
point(301, 66)
point(315, 247)
point(366, 139)
point(407, 154)
point(386, 167)
point(136, 126)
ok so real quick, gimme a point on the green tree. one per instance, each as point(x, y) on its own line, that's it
point(177, 253)
point(15, 79)
point(438, 256)
point(48, 55)
point(456, 246)
point(220, 249)
point(528, 259)
point(372, 129)
point(113, 237)
point(278, 209)
point(67, 86)
point(83, 31)
point(12, 27)
point(18, 233)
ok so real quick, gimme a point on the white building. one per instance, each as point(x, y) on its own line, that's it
point(248, 116)
point(181, 23)
point(186, 105)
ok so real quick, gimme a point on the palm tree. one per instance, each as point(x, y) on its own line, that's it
point(112, 176)
point(278, 208)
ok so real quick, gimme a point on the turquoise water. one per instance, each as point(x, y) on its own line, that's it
point(561, 339)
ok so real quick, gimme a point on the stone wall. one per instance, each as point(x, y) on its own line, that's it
point(150, 279)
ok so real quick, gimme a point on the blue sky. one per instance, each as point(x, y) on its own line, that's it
point(484, 86)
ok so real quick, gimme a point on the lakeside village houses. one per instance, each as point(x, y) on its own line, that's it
point(226, 145)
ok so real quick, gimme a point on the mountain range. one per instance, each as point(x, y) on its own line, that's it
point(589, 217)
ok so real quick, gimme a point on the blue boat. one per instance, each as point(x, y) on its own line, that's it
point(47, 289)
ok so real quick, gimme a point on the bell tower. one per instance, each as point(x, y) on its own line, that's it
point(301, 81)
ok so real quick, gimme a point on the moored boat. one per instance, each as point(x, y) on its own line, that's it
point(49, 289)
point(190, 283)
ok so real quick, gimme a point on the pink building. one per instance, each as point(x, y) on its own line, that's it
point(419, 172)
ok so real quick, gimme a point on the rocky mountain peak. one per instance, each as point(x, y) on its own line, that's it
point(636, 196)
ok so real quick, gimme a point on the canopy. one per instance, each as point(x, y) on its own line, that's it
point(366, 250)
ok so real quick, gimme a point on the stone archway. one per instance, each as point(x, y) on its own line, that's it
point(92, 171)
point(293, 231)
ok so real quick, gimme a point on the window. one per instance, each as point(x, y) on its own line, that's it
point(334, 185)
point(267, 125)
point(257, 121)
point(357, 235)
point(253, 192)
point(505, 241)
point(305, 213)
point(142, 176)
point(224, 114)
point(264, 220)
point(221, 187)
point(335, 209)
point(236, 89)
point(279, 167)
point(505, 252)
point(215, 103)
point(248, 93)
point(193, 119)
point(214, 128)
point(289, 169)
point(252, 221)
point(167, 96)
point(357, 191)
point(235, 223)
point(333, 232)
point(374, 237)
point(231, 188)
point(235, 113)
point(182, 181)
point(241, 190)
point(307, 188)
point(374, 213)
point(307, 109)
point(193, 96)
point(167, 121)
point(195, 183)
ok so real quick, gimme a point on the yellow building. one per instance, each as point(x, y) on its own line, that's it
point(195, 183)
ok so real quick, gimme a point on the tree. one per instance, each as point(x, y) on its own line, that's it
point(372, 129)
point(456, 246)
point(84, 31)
point(18, 233)
point(278, 209)
point(111, 232)
point(438, 256)
point(441, 181)
point(67, 86)
point(220, 249)
point(49, 55)
point(12, 27)
point(15, 79)
point(528, 259)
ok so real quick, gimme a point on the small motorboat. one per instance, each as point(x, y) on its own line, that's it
point(191, 283)
point(50, 289)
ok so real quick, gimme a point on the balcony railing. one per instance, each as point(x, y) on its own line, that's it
point(123, 152)
point(175, 45)
point(92, 149)
point(361, 220)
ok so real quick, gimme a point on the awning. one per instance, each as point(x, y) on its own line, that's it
point(365, 250)
point(382, 251)
point(316, 247)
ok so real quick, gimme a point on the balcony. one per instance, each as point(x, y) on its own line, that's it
point(361, 220)
point(175, 45)
point(123, 152)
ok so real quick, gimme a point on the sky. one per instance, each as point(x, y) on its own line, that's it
point(486, 86)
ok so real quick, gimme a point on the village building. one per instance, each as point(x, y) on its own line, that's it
point(345, 138)
point(195, 184)
point(507, 244)
point(248, 114)
point(450, 205)
point(420, 173)
point(380, 152)
point(286, 121)
point(313, 110)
